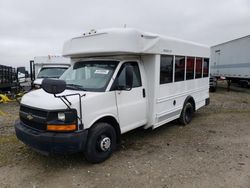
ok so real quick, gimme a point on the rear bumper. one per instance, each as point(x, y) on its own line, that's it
point(49, 142)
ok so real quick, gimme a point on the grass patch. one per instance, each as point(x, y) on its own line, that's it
point(10, 147)
point(8, 139)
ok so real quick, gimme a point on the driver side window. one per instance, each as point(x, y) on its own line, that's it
point(121, 79)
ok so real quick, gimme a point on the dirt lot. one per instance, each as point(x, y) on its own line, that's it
point(212, 151)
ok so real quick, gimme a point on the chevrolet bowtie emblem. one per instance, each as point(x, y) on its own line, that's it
point(30, 117)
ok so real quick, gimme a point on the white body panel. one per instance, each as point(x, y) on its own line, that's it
point(129, 41)
point(161, 97)
point(95, 105)
point(130, 108)
point(231, 59)
point(166, 111)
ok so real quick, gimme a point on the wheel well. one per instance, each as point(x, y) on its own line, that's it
point(112, 121)
point(191, 100)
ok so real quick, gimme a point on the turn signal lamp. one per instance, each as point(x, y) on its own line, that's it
point(61, 128)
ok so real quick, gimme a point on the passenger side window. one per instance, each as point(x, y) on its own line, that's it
point(190, 68)
point(206, 67)
point(121, 79)
point(198, 69)
point(166, 70)
point(179, 68)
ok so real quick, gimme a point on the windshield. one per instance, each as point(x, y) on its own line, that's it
point(89, 75)
point(51, 72)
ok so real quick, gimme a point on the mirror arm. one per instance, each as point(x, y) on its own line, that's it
point(63, 99)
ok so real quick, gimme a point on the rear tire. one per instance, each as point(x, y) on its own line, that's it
point(101, 143)
point(212, 89)
point(187, 114)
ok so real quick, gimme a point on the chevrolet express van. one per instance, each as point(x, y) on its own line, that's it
point(119, 80)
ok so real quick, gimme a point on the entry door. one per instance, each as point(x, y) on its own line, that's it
point(131, 104)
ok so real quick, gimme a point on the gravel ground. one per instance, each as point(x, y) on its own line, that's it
point(212, 151)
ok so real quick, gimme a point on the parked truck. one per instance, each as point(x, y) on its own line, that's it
point(231, 60)
point(8, 77)
point(47, 67)
point(119, 80)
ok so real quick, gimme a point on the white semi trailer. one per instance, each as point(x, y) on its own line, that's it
point(231, 60)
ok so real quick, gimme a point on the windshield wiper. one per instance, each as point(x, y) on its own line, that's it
point(74, 86)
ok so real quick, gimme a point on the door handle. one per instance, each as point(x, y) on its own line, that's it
point(143, 93)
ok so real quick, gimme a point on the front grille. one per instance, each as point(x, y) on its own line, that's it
point(33, 118)
point(33, 124)
point(40, 113)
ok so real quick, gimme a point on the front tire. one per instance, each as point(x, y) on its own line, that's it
point(101, 143)
point(187, 114)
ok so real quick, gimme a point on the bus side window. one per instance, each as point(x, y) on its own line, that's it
point(179, 68)
point(205, 67)
point(166, 69)
point(198, 68)
point(190, 68)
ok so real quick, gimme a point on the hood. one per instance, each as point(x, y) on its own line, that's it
point(40, 99)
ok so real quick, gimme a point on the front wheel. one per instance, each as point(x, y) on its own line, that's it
point(187, 114)
point(101, 143)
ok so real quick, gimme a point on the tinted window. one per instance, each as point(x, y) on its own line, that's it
point(166, 72)
point(198, 68)
point(205, 67)
point(121, 80)
point(179, 68)
point(190, 68)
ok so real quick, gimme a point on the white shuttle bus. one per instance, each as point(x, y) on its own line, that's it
point(119, 79)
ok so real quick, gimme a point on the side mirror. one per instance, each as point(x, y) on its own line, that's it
point(129, 77)
point(53, 86)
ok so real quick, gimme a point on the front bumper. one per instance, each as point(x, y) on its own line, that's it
point(50, 142)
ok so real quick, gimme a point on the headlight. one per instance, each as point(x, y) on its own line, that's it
point(65, 116)
point(62, 121)
point(61, 116)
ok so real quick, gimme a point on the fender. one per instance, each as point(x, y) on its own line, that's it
point(190, 99)
point(102, 116)
point(112, 120)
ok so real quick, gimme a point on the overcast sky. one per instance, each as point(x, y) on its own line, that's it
point(31, 28)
